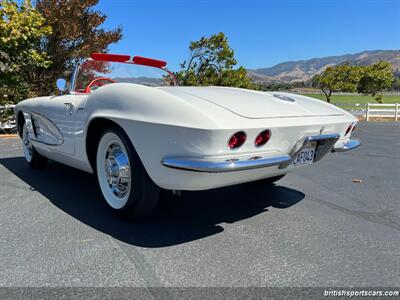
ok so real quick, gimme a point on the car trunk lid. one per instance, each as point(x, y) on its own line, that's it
point(256, 104)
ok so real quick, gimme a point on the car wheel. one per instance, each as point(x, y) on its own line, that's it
point(33, 158)
point(123, 180)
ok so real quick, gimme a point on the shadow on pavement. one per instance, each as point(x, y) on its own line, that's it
point(176, 220)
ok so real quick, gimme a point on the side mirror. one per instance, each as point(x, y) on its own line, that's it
point(61, 85)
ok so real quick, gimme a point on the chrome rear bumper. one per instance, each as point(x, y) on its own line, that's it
point(228, 165)
point(350, 145)
point(325, 144)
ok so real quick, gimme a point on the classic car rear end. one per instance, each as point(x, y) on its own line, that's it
point(198, 156)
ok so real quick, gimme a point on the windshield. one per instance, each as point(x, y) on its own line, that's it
point(95, 73)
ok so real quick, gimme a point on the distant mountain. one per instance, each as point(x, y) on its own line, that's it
point(304, 70)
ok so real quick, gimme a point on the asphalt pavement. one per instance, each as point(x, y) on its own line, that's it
point(336, 223)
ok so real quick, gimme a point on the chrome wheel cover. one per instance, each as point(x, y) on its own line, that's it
point(117, 170)
point(27, 144)
point(114, 170)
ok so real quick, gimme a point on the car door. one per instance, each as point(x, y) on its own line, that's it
point(60, 120)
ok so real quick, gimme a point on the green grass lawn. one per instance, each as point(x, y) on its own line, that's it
point(355, 98)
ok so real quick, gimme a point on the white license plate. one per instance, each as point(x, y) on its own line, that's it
point(305, 156)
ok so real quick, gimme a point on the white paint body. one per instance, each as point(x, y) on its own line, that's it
point(191, 122)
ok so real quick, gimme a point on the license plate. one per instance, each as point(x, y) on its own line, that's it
point(305, 156)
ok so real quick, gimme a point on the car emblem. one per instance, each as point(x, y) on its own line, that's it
point(283, 97)
point(69, 107)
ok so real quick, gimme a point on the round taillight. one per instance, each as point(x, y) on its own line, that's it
point(237, 140)
point(348, 130)
point(262, 138)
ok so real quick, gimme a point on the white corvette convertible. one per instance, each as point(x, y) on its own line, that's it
point(128, 121)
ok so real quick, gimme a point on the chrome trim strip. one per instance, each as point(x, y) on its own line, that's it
point(325, 144)
point(350, 145)
point(74, 76)
point(29, 124)
point(284, 98)
point(44, 143)
point(224, 166)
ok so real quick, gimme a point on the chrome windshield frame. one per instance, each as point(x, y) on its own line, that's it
point(73, 78)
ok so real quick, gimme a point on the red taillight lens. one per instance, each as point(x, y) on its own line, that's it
point(348, 130)
point(262, 138)
point(237, 140)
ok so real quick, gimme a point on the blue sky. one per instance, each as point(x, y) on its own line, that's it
point(262, 33)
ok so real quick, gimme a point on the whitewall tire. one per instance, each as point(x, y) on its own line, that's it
point(32, 157)
point(123, 181)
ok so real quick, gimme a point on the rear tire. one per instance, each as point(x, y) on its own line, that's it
point(123, 180)
point(32, 157)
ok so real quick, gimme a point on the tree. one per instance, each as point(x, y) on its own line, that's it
point(211, 62)
point(77, 33)
point(21, 30)
point(396, 81)
point(338, 78)
point(376, 78)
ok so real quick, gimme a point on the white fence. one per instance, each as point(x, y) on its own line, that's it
point(373, 110)
point(382, 111)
